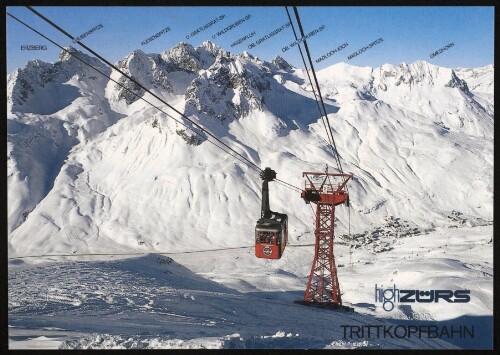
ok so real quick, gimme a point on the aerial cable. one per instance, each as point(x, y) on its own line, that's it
point(299, 23)
point(329, 142)
point(148, 252)
point(139, 84)
point(312, 211)
point(286, 184)
point(303, 59)
point(329, 132)
point(310, 81)
point(129, 90)
point(305, 66)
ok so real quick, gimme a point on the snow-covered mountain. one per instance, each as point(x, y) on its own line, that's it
point(91, 168)
point(94, 169)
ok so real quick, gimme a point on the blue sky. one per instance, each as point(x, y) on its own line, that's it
point(409, 33)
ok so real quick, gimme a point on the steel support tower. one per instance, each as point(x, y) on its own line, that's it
point(326, 191)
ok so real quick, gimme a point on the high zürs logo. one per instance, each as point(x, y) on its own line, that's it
point(389, 296)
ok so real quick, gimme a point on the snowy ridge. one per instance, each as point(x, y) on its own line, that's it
point(42, 88)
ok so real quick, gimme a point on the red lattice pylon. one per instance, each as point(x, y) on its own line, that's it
point(323, 285)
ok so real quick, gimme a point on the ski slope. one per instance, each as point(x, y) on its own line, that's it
point(229, 299)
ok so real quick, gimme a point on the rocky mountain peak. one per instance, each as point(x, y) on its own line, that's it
point(419, 73)
point(183, 56)
point(213, 49)
point(66, 54)
point(27, 84)
point(183, 49)
point(281, 63)
point(67, 59)
point(456, 82)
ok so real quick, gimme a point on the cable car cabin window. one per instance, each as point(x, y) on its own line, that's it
point(266, 237)
point(271, 235)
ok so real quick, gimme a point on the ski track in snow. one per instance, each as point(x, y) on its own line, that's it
point(102, 304)
point(124, 301)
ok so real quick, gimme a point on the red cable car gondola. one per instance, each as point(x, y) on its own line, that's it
point(271, 231)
